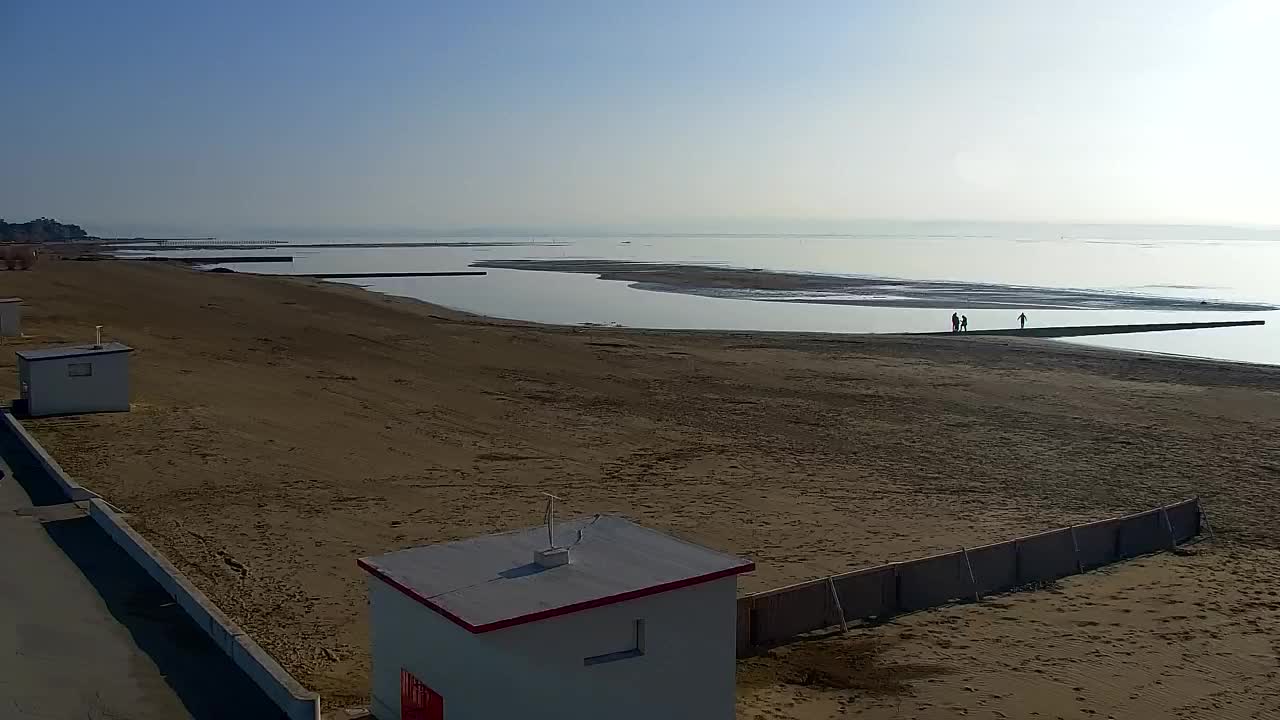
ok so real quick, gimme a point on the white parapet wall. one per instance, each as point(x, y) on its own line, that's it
point(72, 489)
point(295, 701)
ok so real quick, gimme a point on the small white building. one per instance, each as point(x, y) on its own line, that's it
point(614, 621)
point(10, 317)
point(76, 379)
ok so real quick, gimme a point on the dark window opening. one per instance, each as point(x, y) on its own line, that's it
point(635, 651)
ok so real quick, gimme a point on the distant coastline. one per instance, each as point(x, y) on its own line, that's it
point(40, 230)
point(47, 230)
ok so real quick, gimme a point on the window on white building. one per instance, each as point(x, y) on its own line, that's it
point(636, 650)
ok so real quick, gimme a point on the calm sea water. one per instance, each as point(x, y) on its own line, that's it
point(1181, 261)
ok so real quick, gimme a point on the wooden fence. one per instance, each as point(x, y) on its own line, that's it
point(768, 618)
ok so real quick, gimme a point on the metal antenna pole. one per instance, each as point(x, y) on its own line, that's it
point(551, 519)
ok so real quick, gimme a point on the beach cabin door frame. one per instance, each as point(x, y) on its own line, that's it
point(417, 701)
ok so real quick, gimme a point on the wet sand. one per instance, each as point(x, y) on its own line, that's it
point(773, 286)
point(283, 427)
point(1067, 331)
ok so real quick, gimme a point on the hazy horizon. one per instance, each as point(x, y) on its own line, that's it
point(576, 115)
point(817, 227)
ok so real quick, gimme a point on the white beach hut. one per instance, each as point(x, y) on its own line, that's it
point(10, 317)
point(616, 620)
point(76, 379)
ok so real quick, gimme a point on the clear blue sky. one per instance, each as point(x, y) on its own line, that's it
point(431, 114)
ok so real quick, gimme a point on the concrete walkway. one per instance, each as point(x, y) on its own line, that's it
point(85, 634)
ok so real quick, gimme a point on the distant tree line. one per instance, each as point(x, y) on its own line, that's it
point(40, 231)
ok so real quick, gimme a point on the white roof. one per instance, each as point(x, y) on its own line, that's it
point(73, 351)
point(492, 582)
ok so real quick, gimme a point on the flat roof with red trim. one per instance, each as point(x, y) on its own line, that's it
point(492, 582)
point(56, 353)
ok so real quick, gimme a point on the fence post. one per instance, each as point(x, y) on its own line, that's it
point(835, 596)
point(1164, 515)
point(1017, 562)
point(1075, 545)
point(897, 588)
point(1205, 517)
point(973, 581)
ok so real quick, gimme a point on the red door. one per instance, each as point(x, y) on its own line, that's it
point(417, 701)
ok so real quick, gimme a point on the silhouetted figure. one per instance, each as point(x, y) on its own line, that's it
point(1022, 321)
point(964, 323)
point(955, 322)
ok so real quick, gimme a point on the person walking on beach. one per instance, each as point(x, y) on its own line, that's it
point(1022, 321)
point(964, 323)
point(955, 322)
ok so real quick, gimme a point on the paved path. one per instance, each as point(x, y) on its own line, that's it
point(85, 634)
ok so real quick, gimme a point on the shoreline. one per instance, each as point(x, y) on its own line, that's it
point(283, 427)
point(1034, 332)
point(460, 315)
point(1063, 343)
point(871, 291)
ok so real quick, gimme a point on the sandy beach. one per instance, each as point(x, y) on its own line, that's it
point(282, 428)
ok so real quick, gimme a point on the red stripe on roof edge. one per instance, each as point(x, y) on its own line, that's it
point(414, 594)
point(554, 612)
